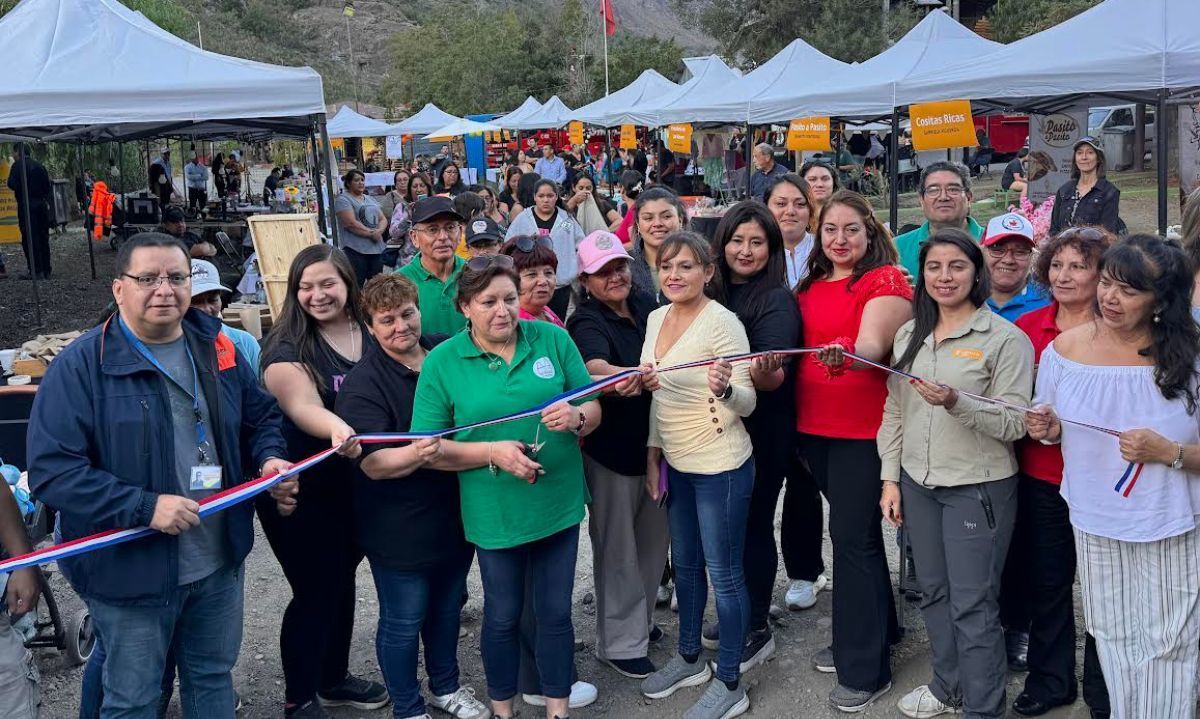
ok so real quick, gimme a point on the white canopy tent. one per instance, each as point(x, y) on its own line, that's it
point(707, 76)
point(430, 118)
point(94, 70)
point(614, 109)
point(552, 115)
point(526, 109)
point(348, 123)
point(730, 101)
point(693, 66)
point(461, 127)
point(868, 89)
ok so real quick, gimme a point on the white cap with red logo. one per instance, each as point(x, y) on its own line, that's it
point(1006, 226)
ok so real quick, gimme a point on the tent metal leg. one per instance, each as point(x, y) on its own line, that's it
point(608, 161)
point(1161, 153)
point(327, 152)
point(86, 236)
point(894, 173)
point(31, 252)
point(749, 147)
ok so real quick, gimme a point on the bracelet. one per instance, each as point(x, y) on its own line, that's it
point(724, 396)
point(492, 465)
point(582, 421)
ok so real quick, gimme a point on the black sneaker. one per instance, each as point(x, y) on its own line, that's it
point(1016, 646)
point(308, 710)
point(638, 668)
point(760, 644)
point(357, 693)
point(656, 634)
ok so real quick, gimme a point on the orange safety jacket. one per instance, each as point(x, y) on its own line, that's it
point(101, 210)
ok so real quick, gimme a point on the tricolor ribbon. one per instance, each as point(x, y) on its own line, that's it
point(247, 490)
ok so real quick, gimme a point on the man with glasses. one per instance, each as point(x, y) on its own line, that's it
point(1008, 251)
point(945, 190)
point(436, 228)
point(136, 422)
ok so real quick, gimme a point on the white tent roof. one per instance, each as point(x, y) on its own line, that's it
point(460, 127)
point(1116, 46)
point(868, 89)
point(729, 101)
point(430, 118)
point(613, 109)
point(693, 66)
point(526, 108)
point(553, 114)
point(710, 75)
point(348, 123)
point(98, 70)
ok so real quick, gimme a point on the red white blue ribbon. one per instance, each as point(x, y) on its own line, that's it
point(247, 490)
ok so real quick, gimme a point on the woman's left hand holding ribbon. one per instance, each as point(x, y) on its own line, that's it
point(938, 395)
point(1147, 446)
point(719, 374)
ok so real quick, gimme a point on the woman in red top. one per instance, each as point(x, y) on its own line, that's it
point(853, 299)
point(1068, 264)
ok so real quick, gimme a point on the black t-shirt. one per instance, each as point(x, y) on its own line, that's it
point(619, 443)
point(402, 524)
point(666, 167)
point(641, 162)
point(545, 226)
point(1010, 171)
point(507, 198)
point(773, 325)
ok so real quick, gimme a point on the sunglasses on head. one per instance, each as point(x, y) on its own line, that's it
point(481, 263)
point(1087, 233)
point(526, 244)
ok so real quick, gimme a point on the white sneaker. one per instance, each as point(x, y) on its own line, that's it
point(675, 600)
point(920, 703)
point(582, 694)
point(462, 704)
point(663, 597)
point(802, 594)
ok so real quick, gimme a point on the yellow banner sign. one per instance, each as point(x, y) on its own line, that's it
point(575, 132)
point(679, 137)
point(10, 233)
point(942, 125)
point(628, 137)
point(808, 133)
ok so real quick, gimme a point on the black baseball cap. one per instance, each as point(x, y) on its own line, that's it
point(171, 213)
point(427, 208)
point(483, 229)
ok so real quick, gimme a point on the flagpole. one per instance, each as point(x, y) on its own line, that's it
point(604, 32)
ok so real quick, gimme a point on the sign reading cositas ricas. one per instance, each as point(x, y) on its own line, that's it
point(1051, 142)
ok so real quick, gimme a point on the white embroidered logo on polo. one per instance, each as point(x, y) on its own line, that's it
point(544, 368)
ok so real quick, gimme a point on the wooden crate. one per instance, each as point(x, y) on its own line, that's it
point(277, 240)
point(232, 316)
point(32, 366)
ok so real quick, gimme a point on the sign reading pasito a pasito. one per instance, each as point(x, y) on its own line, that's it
point(808, 134)
point(628, 137)
point(942, 125)
point(679, 137)
point(575, 132)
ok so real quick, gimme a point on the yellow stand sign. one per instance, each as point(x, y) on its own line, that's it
point(942, 125)
point(628, 137)
point(809, 134)
point(10, 232)
point(679, 137)
point(575, 132)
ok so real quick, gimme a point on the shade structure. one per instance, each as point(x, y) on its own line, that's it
point(526, 108)
point(94, 70)
point(707, 76)
point(614, 109)
point(430, 118)
point(794, 66)
point(868, 89)
point(461, 127)
point(348, 123)
point(693, 66)
point(552, 115)
point(1118, 46)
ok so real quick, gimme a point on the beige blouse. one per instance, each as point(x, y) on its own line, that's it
point(697, 432)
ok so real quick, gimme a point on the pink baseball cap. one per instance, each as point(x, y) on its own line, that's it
point(598, 249)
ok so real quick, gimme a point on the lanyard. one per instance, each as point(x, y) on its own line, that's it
point(194, 395)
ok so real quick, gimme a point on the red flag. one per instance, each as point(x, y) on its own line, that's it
point(610, 22)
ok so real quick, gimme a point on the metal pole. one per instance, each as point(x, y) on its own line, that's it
point(1160, 159)
point(31, 253)
point(353, 67)
point(327, 151)
point(86, 236)
point(894, 172)
point(604, 33)
point(121, 179)
point(749, 149)
point(609, 160)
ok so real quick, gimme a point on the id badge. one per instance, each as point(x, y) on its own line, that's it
point(206, 477)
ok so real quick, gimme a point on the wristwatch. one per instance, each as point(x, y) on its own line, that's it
point(1178, 463)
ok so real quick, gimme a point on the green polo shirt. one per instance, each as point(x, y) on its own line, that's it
point(460, 385)
point(909, 244)
point(439, 314)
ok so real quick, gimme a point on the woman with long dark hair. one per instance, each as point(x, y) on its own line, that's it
point(657, 213)
point(419, 187)
point(524, 194)
point(362, 226)
point(1133, 500)
point(854, 298)
point(583, 192)
point(753, 285)
point(317, 339)
point(508, 197)
point(449, 180)
point(791, 202)
point(960, 506)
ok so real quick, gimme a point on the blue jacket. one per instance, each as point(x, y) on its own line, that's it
point(101, 451)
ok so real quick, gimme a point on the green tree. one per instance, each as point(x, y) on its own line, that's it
point(1015, 19)
point(628, 56)
point(167, 14)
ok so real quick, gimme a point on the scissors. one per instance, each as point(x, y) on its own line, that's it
point(531, 450)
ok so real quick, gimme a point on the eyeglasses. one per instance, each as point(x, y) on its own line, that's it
point(481, 263)
point(1018, 252)
point(526, 244)
point(450, 229)
point(949, 191)
point(152, 282)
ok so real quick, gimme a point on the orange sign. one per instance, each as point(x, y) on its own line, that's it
point(9, 230)
point(628, 137)
point(575, 132)
point(679, 137)
point(942, 125)
point(809, 133)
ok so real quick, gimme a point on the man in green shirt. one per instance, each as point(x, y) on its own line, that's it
point(945, 190)
point(435, 268)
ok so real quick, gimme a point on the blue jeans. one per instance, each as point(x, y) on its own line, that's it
point(415, 607)
point(205, 617)
point(550, 564)
point(708, 527)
